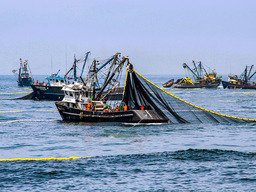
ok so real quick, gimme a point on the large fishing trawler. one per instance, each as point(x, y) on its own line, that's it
point(82, 103)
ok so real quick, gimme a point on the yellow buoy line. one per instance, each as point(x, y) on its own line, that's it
point(43, 158)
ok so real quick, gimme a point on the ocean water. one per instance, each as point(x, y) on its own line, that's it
point(190, 157)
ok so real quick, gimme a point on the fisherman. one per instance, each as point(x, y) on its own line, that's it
point(142, 107)
point(125, 107)
point(116, 108)
point(88, 106)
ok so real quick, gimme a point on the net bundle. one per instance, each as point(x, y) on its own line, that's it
point(139, 91)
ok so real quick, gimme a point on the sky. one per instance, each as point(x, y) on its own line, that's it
point(158, 36)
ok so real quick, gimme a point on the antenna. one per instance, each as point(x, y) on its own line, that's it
point(51, 64)
point(66, 58)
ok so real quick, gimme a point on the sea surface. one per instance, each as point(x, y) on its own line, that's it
point(187, 157)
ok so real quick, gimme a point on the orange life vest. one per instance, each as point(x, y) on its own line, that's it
point(88, 106)
point(125, 107)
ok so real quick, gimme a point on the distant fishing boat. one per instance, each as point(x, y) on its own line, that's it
point(244, 81)
point(24, 74)
point(52, 89)
point(201, 78)
point(49, 90)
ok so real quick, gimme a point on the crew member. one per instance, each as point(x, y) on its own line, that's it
point(88, 106)
point(125, 107)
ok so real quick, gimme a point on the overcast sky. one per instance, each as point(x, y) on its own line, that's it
point(157, 35)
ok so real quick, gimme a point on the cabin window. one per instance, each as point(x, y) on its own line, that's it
point(66, 93)
point(62, 81)
point(71, 94)
point(57, 81)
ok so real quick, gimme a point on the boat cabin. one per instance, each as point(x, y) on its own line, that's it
point(55, 80)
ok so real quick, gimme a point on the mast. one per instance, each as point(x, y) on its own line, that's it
point(249, 73)
point(74, 67)
point(85, 60)
point(117, 69)
point(26, 66)
point(115, 58)
point(252, 74)
point(94, 80)
point(20, 69)
point(108, 61)
point(196, 69)
point(204, 69)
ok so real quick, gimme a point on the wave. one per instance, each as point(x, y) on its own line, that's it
point(189, 155)
point(180, 155)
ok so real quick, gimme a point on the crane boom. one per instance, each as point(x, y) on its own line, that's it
point(186, 66)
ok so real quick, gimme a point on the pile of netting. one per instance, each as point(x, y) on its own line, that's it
point(139, 91)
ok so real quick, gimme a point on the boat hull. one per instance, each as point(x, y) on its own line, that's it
point(44, 92)
point(131, 116)
point(55, 93)
point(196, 86)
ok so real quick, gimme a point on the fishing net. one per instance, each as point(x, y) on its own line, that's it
point(139, 91)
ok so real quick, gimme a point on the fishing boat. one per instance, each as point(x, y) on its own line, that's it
point(49, 90)
point(24, 74)
point(82, 103)
point(201, 78)
point(244, 81)
point(52, 88)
